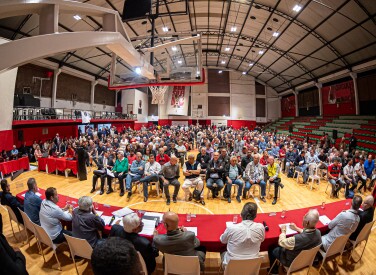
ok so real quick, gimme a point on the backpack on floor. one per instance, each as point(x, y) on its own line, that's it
point(290, 174)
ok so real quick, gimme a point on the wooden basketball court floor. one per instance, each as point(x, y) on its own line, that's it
point(293, 196)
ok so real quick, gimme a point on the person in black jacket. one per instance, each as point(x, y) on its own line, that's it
point(104, 162)
point(247, 159)
point(12, 261)
point(203, 158)
point(132, 226)
point(302, 166)
point(366, 216)
point(233, 175)
point(8, 199)
point(214, 175)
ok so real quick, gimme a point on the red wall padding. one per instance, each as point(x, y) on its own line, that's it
point(237, 124)
point(339, 99)
point(288, 106)
point(6, 140)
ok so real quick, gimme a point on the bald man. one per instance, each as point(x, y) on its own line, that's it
point(365, 216)
point(135, 173)
point(290, 247)
point(178, 241)
point(170, 176)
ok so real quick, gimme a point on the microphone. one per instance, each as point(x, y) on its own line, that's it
point(265, 226)
point(112, 220)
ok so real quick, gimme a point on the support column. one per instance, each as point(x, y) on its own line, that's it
point(296, 103)
point(354, 77)
point(54, 87)
point(93, 84)
point(49, 19)
point(319, 87)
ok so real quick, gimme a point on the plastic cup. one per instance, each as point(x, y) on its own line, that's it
point(235, 219)
point(323, 205)
point(188, 217)
point(283, 214)
point(96, 206)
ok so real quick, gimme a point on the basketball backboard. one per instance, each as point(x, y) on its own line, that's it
point(176, 62)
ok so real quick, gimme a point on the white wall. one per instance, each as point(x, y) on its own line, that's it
point(7, 86)
point(67, 104)
point(133, 96)
point(273, 104)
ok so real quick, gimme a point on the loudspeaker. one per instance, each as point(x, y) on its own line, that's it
point(20, 135)
point(81, 165)
point(291, 127)
point(335, 134)
point(136, 9)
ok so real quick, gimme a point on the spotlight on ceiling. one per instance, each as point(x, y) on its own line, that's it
point(223, 62)
point(297, 8)
point(233, 29)
point(138, 70)
point(220, 72)
point(227, 49)
point(261, 52)
point(275, 34)
point(77, 17)
point(165, 29)
point(174, 48)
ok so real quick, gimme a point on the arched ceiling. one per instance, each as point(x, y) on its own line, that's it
point(267, 39)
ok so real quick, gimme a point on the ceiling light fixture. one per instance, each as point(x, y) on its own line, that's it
point(297, 8)
point(174, 48)
point(220, 72)
point(233, 29)
point(138, 70)
point(275, 34)
point(261, 52)
point(223, 62)
point(250, 64)
point(180, 62)
point(165, 29)
point(77, 17)
point(227, 49)
point(244, 72)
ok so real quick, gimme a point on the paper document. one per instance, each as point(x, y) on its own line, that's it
point(109, 173)
point(192, 229)
point(228, 224)
point(106, 219)
point(289, 231)
point(148, 229)
point(154, 214)
point(37, 193)
point(122, 212)
point(100, 213)
point(324, 220)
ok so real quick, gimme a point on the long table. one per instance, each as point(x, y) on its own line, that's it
point(210, 227)
point(14, 165)
point(52, 165)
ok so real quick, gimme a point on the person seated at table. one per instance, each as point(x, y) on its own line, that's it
point(214, 175)
point(360, 175)
point(290, 158)
point(103, 163)
point(191, 171)
point(233, 175)
point(14, 152)
point(273, 176)
point(120, 170)
point(170, 174)
point(365, 216)
point(301, 165)
point(162, 158)
point(8, 199)
point(203, 158)
point(334, 173)
point(70, 153)
point(37, 153)
point(32, 201)
point(86, 224)
point(247, 159)
point(12, 261)
point(152, 169)
point(243, 239)
point(254, 173)
point(344, 223)
point(290, 247)
point(115, 256)
point(132, 226)
point(51, 215)
point(135, 173)
point(178, 241)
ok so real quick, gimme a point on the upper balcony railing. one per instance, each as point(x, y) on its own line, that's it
point(36, 113)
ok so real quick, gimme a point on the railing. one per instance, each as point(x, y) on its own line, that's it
point(36, 113)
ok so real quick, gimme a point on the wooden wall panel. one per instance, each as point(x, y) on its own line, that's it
point(25, 76)
point(218, 106)
point(218, 82)
point(104, 96)
point(68, 85)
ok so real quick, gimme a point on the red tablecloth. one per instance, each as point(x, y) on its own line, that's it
point(60, 164)
point(14, 165)
point(210, 227)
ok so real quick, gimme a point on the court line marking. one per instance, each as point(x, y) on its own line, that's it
point(258, 204)
point(195, 204)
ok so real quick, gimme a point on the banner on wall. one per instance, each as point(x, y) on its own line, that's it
point(339, 98)
point(85, 117)
point(288, 106)
point(178, 100)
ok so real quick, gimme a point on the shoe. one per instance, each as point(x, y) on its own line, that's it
point(216, 193)
point(145, 199)
point(263, 199)
point(92, 190)
point(229, 200)
point(174, 200)
point(284, 186)
point(274, 201)
point(101, 192)
point(129, 196)
point(238, 199)
point(202, 202)
point(109, 191)
point(190, 197)
point(121, 193)
point(168, 201)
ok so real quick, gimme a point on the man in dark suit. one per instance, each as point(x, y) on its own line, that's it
point(179, 241)
point(8, 199)
point(12, 261)
point(365, 216)
point(132, 226)
point(104, 162)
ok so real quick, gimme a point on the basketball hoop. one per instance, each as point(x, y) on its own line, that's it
point(158, 94)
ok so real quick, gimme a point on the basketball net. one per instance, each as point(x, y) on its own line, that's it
point(157, 93)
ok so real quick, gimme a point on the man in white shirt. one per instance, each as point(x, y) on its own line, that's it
point(243, 239)
point(344, 223)
point(50, 216)
point(181, 152)
point(152, 169)
point(360, 174)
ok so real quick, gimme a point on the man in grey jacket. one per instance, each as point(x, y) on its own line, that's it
point(254, 174)
point(178, 241)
